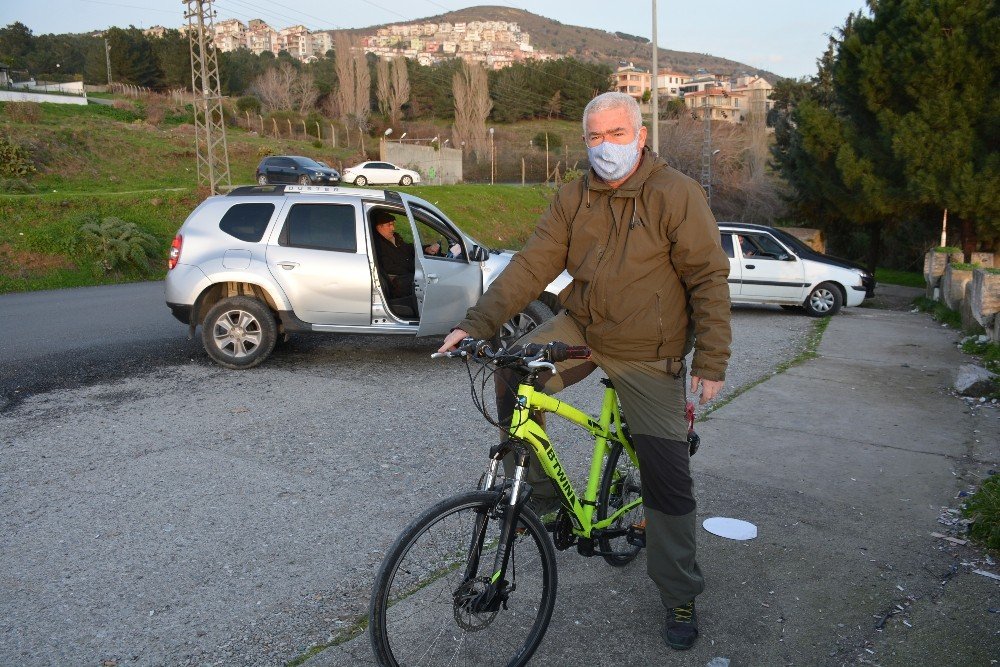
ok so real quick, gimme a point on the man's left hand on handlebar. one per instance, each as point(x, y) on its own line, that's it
point(452, 340)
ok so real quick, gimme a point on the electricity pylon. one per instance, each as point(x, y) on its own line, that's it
point(209, 118)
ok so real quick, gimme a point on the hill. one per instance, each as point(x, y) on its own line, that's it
point(590, 44)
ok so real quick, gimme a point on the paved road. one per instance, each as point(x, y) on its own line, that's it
point(63, 338)
point(158, 509)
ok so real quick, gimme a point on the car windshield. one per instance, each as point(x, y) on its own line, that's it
point(312, 164)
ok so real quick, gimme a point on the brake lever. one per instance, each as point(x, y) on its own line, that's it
point(539, 363)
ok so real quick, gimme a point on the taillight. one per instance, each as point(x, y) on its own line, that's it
point(175, 251)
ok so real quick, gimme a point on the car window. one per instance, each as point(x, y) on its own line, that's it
point(309, 163)
point(283, 162)
point(320, 226)
point(247, 222)
point(727, 245)
point(769, 248)
point(437, 239)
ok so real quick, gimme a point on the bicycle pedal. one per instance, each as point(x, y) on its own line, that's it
point(636, 535)
point(585, 547)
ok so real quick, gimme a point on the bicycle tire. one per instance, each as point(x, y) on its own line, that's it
point(621, 483)
point(413, 615)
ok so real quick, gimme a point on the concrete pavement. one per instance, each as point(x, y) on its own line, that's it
point(845, 463)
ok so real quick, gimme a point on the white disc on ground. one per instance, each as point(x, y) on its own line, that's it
point(734, 529)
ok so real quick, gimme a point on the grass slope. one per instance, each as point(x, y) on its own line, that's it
point(105, 161)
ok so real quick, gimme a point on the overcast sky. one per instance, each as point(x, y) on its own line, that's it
point(783, 36)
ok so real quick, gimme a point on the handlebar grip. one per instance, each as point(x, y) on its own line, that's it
point(562, 352)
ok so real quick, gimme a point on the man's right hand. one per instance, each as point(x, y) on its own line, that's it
point(452, 340)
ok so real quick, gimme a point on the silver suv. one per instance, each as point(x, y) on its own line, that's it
point(263, 262)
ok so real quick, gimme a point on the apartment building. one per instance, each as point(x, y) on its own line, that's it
point(668, 83)
point(632, 80)
point(718, 104)
point(230, 35)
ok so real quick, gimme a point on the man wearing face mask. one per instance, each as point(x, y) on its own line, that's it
point(649, 283)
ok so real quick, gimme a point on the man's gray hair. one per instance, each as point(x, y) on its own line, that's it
point(613, 100)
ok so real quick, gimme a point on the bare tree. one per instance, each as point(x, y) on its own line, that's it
point(554, 106)
point(470, 88)
point(304, 93)
point(383, 86)
point(400, 89)
point(283, 88)
point(274, 87)
point(354, 83)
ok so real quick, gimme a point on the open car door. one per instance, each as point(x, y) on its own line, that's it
point(446, 282)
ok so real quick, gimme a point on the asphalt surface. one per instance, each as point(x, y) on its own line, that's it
point(160, 510)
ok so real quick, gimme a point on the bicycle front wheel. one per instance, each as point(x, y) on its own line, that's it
point(420, 611)
point(621, 483)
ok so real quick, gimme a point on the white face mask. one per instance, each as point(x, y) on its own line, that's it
point(613, 161)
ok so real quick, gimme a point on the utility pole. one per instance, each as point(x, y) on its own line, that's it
point(107, 59)
point(656, 94)
point(209, 120)
point(706, 149)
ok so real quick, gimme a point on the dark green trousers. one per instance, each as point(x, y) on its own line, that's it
point(652, 395)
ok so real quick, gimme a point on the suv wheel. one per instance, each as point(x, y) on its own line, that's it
point(239, 332)
point(825, 299)
point(262, 179)
point(533, 314)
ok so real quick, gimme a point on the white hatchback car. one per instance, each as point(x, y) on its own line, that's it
point(379, 173)
point(769, 265)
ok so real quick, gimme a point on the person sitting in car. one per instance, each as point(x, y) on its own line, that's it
point(395, 255)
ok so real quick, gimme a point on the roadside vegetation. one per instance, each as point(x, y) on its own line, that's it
point(983, 507)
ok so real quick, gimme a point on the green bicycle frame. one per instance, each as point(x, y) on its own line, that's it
point(528, 431)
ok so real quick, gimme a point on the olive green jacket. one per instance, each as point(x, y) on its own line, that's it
point(648, 269)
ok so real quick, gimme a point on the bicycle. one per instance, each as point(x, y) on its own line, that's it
point(472, 580)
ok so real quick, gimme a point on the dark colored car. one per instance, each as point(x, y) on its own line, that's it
point(295, 169)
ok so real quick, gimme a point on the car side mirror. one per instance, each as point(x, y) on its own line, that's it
point(479, 254)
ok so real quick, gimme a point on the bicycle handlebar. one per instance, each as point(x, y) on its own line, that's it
point(552, 352)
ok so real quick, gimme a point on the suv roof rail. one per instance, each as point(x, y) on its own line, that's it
point(245, 190)
point(271, 190)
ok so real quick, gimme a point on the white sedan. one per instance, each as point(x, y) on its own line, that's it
point(381, 173)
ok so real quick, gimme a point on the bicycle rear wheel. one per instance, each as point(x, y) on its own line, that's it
point(419, 613)
point(621, 483)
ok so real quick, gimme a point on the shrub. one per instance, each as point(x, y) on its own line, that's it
point(264, 151)
point(15, 160)
point(117, 244)
point(23, 112)
point(572, 175)
point(16, 186)
point(248, 103)
point(984, 510)
point(555, 141)
point(317, 143)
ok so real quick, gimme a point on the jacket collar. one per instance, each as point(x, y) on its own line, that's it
point(649, 164)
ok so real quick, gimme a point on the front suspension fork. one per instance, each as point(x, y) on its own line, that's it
point(512, 501)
